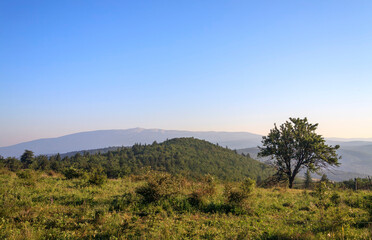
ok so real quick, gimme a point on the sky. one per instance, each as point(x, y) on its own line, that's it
point(73, 66)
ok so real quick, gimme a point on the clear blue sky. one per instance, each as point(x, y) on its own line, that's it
point(71, 66)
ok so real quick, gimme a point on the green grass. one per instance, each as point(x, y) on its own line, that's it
point(38, 206)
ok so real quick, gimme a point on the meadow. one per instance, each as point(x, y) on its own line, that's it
point(158, 205)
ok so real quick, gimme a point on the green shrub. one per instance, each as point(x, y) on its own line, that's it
point(121, 203)
point(98, 217)
point(28, 177)
point(206, 190)
point(159, 186)
point(248, 186)
point(355, 201)
point(238, 195)
point(13, 202)
point(368, 205)
point(71, 173)
point(25, 174)
point(335, 198)
point(196, 199)
point(12, 164)
point(321, 191)
point(97, 177)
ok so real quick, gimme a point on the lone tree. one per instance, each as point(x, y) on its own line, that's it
point(27, 158)
point(295, 145)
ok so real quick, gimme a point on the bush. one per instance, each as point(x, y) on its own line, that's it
point(97, 177)
point(196, 199)
point(335, 199)
point(248, 186)
point(120, 203)
point(25, 174)
point(368, 205)
point(238, 195)
point(98, 217)
point(51, 173)
point(321, 190)
point(206, 190)
point(28, 177)
point(12, 164)
point(71, 173)
point(159, 186)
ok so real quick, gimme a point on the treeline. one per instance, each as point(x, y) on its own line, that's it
point(357, 183)
point(185, 156)
point(189, 157)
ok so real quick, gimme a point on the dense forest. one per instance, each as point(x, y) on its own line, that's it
point(186, 156)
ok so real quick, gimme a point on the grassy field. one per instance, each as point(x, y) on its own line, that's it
point(41, 205)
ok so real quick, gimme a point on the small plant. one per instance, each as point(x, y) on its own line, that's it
point(236, 197)
point(368, 205)
point(308, 180)
point(335, 199)
point(248, 186)
point(97, 177)
point(28, 177)
point(25, 174)
point(120, 203)
point(321, 190)
point(196, 198)
point(98, 217)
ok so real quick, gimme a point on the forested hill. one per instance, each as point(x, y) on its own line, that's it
point(187, 156)
point(127, 137)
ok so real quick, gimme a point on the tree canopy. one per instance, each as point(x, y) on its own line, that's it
point(295, 145)
point(27, 157)
point(184, 156)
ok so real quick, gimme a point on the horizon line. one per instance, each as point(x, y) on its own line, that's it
point(344, 139)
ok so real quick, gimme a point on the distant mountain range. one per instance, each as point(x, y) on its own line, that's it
point(128, 137)
point(356, 155)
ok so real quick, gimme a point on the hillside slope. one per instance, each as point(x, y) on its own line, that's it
point(188, 156)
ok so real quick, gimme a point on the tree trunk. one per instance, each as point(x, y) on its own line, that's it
point(291, 180)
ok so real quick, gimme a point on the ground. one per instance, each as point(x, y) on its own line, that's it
point(40, 205)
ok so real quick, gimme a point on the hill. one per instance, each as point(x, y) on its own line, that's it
point(357, 158)
point(188, 156)
point(128, 137)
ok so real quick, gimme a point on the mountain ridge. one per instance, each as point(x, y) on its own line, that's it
point(124, 137)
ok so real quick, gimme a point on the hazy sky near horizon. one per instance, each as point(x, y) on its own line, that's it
point(72, 66)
